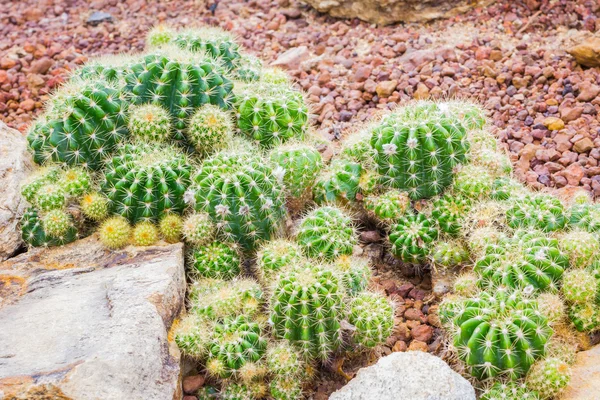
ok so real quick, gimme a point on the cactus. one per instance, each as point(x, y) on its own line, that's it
point(57, 223)
point(271, 114)
point(75, 181)
point(494, 162)
point(466, 284)
point(249, 68)
point(275, 76)
point(285, 388)
point(473, 182)
point(339, 183)
point(449, 254)
point(284, 360)
point(150, 122)
point(39, 178)
point(548, 377)
point(357, 147)
point(115, 232)
point(171, 227)
point(144, 182)
point(51, 196)
point(94, 206)
point(242, 196)
point(218, 299)
point(33, 233)
point(481, 238)
point(412, 236)
point(585, 317)
point(500, 333)
point(241, 391)
point(275, 257)
point(327, 233)
point(389, 206)
point(581, 247)
point(449, 212)
point(585, 216)
point(505, 188)
point(216, 260)
point(159, 35)
point(509, 391)
point(210, 129)
point(145, 234)
point(198, 229)
point(552, 307)
point(579, 286)
point(193, 335)
point(236, 341)
point(301, 165)
point(373, 317)
point(417, 147)
point(215, 42)
point(307, 309)
point(354, 272)
point(543, 212)
point(471, 115)
point(488, 213)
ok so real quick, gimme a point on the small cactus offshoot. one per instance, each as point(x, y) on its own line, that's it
point(412, 237)
point(150, 122)
point(193, 334)
point(300, 166)
point(542, 211)
point(276, 257)
point(198, 229)
point(373, 317)
point(339, 184)
point(51, 197)
point(283, 359)
point(33, 233)
point(94, 206)
point(115, 232)
point(355, 272)
point(210, 129)
point(466, 284)
point(216, 260)
point(57, 223)
point(171, 227)
point(585, 317)
point(579, 286)
point(389, 206)
point(474, 182)
point(548, 377)
point(449, 254)
point(218, 299)
point(75, 181)
point(286, 388)
point(145, 234)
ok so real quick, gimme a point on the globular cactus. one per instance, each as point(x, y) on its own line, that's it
point(389, 206)
point(236, 341)
point(300, 165)
point(115, 232)
point(548, 377)
point(243, 391)
point(542, 211)
point(271, 114)
point(33, 233)
point(217, 43)
point(479, 239)
point(75, 181)
point(94, 206)
point(449, 254)
point(51, 196)
point(504, 188)
point(307, 309)
point(471, 115)
point(371, 183)
point(275, 257)
point(499, 332)
point(282, 360)
point(450, 211)
point(39, 178)
point(354, 272)
point(150, 122)
point(171, 227)
point(473, 182)
point(159, 35)
point(579, 286)
point(326, 233)
point(357, 147)
point(198, 229)
point(482, 139)
point(218, 299)
point(417, 148)
point(509, 391)
point(412, 237)
point(373, 317)
point(339, 184)
point(585, 317)
point(552, 307)
point(466, 284)
point(242, 197)
point(582, 247)
point(193, 335)
point(487, 213)
point(285, 388)
point(84, 123)
point(57, 223)
point(585, 216)
point(494, 162)
point(145, 234)
point(210, 129)
point(144, 182)
point(276, 76)
point(216, 260)
point(249, 69)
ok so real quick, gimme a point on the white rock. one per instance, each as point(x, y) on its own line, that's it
point(585, 377)
point(413, 375)
point(86, 323)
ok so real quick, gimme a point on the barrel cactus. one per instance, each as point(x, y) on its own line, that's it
point(171, 226)
point(509, 390)
point(466, 284)
point(51, 196)
point(417, 148)
point(504, 188)
point(144, 234)
point(582, 247)
point(283, 359)
point(160, 35)
point(474, 182)
point(216, 260)
point(75, 181)
point(585, 216)
point(300, 165)
point(210, 129)
point(217, 299)
point(373, 317)
point(449, 211)
point(249, 68)
point(198, 229)
point(548, 377)
point(34, 232)
point(193, 335)
point(449, 254)
point(542, 211)
point(339, 184)
point(150, 122)
point(275, 257)
point(115, 232)
point(412, 237)
point(354, 272)
point(389, 206)
point(285, 388)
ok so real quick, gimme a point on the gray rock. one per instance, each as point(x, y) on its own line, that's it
point(84, 322)
point(97, 17)
point(15, 165)
point(413, 375)
point(585, 376)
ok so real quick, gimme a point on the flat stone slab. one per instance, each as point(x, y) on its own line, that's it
point(585, 377)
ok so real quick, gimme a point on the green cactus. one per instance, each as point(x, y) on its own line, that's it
point(217, 43)
point(51, 196)
point(275, 76)
point(499, 333)
point(354, 272)
point(449, 212)
point(307, 309)
point(417, 147)
point(38, 179)
point(75, 181)
point(94, 206)
point(494, 162)
point(552, 307)
point(449, 254)
point(198, 229)
point(548, 377)
point(193, 335)
point(482, 139)
point(471, 115)
point(285, 388)
point(300, 165)
point(171, 228)
point(581, 247)
point(145, 234)
point(487, 213)
point(249, 69)
point(218, 299)
point(389, 206)
point(357, 147)
point(373, 317)
point(243, 391)
point(480, 238)
point(339, 184)
point(412, 237)
point(216, 260)
point(84, 123)
point(505, 188)
point(275, 257)
point(283, 360)
point(271, 114)
point(326, 233)
point(509, 391)
point(115, 232)
point(474, 182)
point(242, 196)
point(585, 216)
point(585, 317)
point(466, 284)
point(159, 35)
point(57, 223)
point(579, 286)
point(542, 211)
point(150, 122)
point(144, 182)
point(210, 129)
point(33, 233)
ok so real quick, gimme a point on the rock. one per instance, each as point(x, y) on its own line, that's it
point(407, 375)
point(587, 53)
point(588, 92)
point(192, 383)
point(554, 124)
point(41, 66)
point(585, 377)
point(423, 333)
point(87, 322)
point(417, 345)
point(292, 58)
point(583, 145)
point(362, 73)
point(386, 88)
point(573, 174)
point(15, 165)
point(97, 17)
point(384, 12)
point(370, 236)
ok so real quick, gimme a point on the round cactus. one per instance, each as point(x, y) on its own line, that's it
point(33, 233)
point(548, 377)
point(357, 147)
point(579, 286)
point(275, 76)
point(198, 229)
point(75, 181)
point(243, 391)
point(389, 206)
point(488, 213)
point(449, 254)
point(307, 309)
point(482, 139)
point(355, 273)
point(417, 147)
point(193, 335)
point(216, 260)
point(340, 183)
point(552, 307)
point(144, 182)
point(94, 206)
point(51, 196)
point(210, 129)
point(327, 233)
point(481, 238)
point(159, 35)
point(284, 360)
point(585, 317)
point(449, 212)
point(84, 123)
point(271, 114)
point(57, 223)
point(39, 178)
point(150, 122)
point(474, 182)
point(581, 247)
point(115, 232)
point(218, 299)
point(543, 212)
point(215, 42)
point(242, 196)
point(249, 68)
point(171, 227)
point(285, 388)
point(300, 166)
point(499, 333)
point(466, 284)
point(145, 234)
point(412, 236)
point(471, 115)
point(585, 216)
point(494, 162)
point(504, 188)
point(373, 316)
point(275, 257)
point(509, 391)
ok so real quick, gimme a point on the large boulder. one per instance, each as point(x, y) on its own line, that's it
point(585, 377)
point(83, 322)
point(385, 12)
point(412, 375)
point(15, 165)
